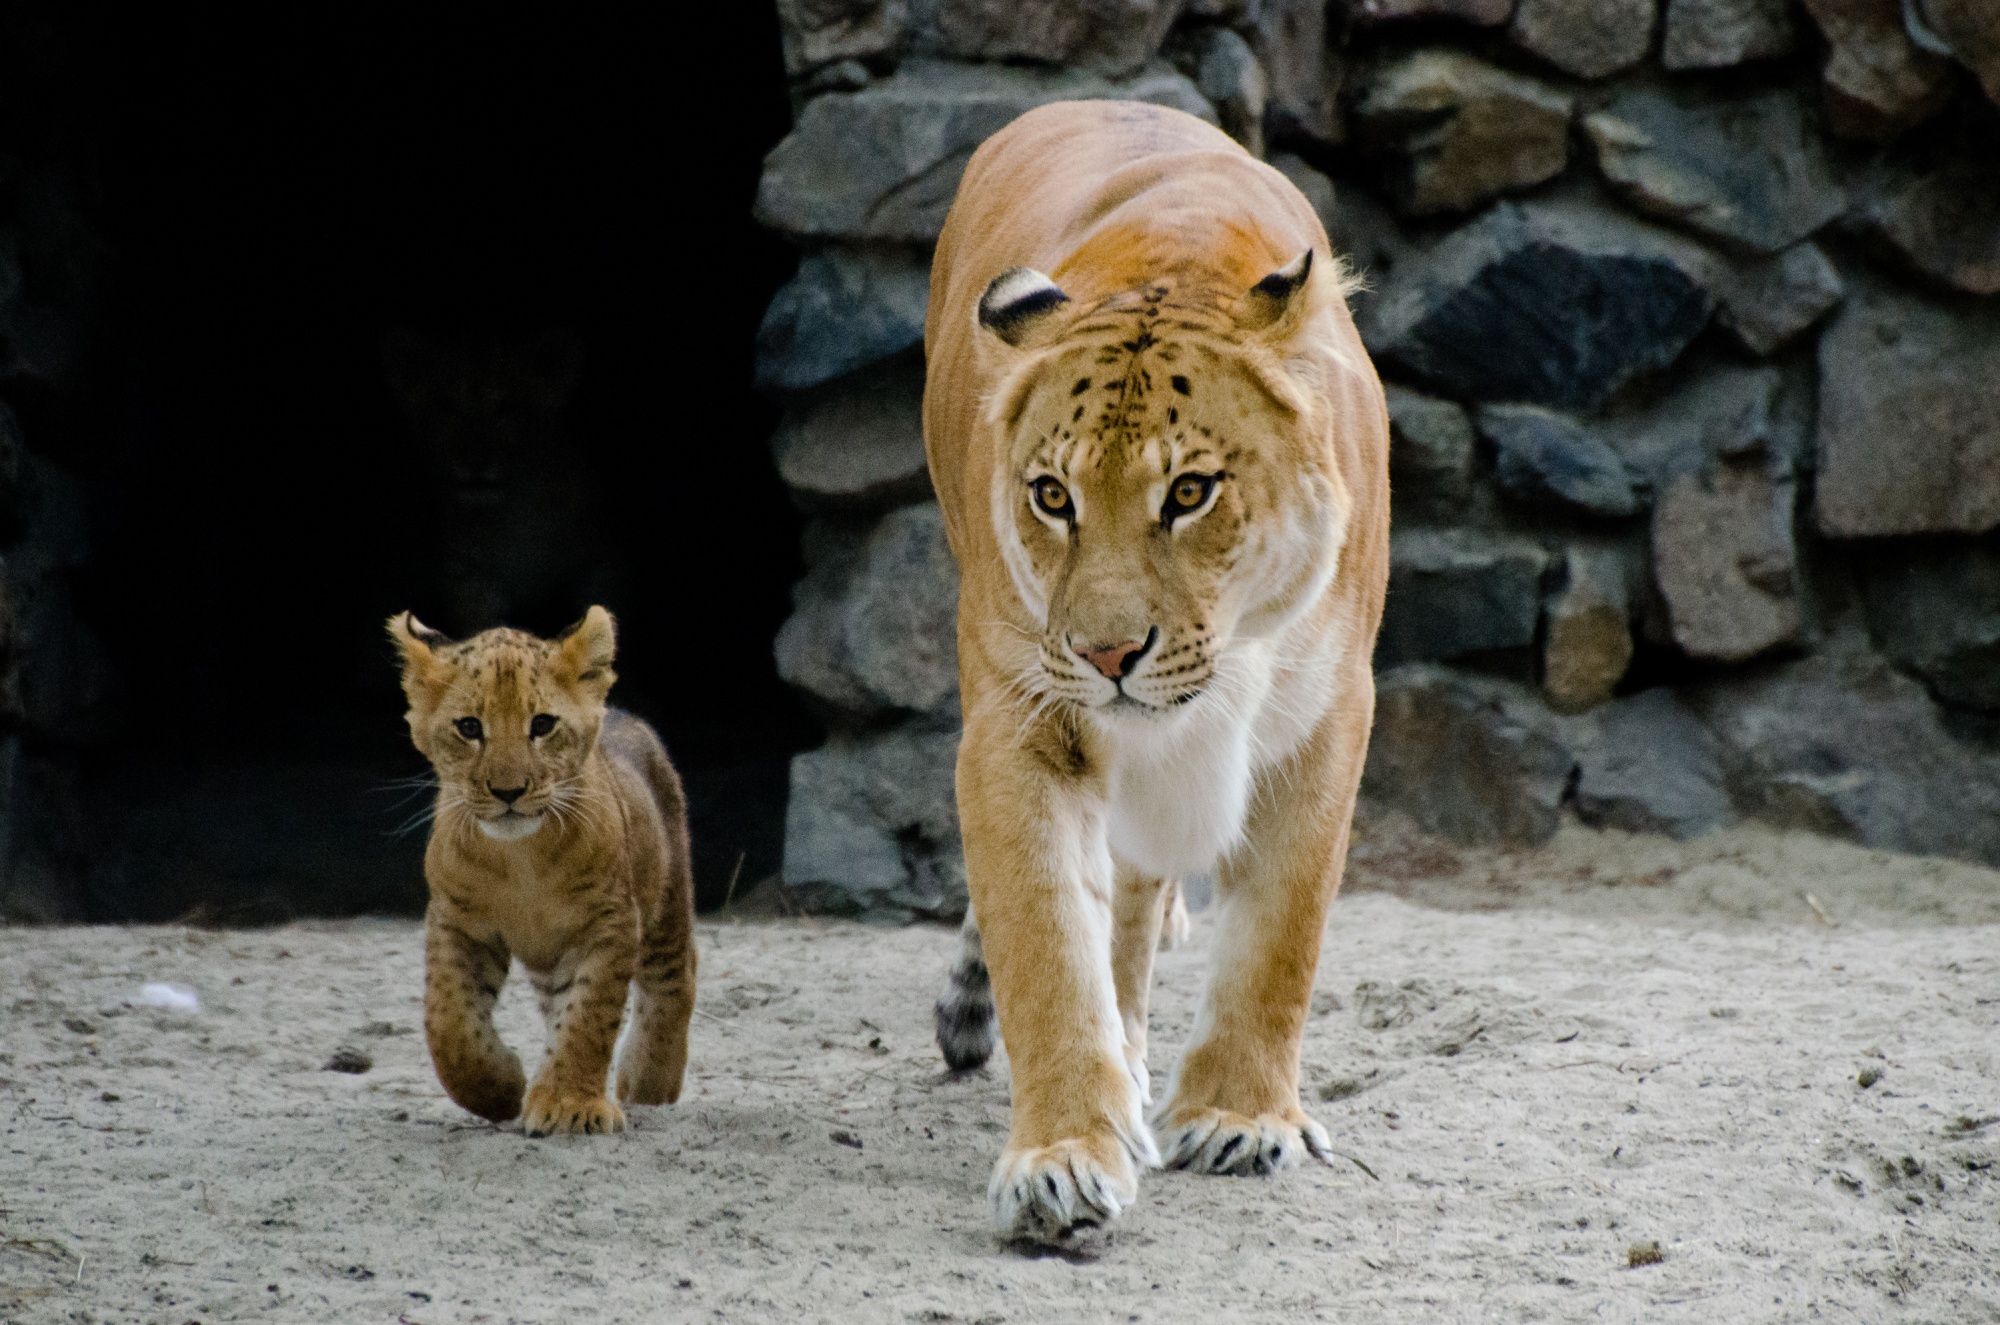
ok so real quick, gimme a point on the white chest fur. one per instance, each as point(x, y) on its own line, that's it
point(1180, 790)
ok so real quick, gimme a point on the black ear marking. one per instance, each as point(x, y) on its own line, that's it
point(1268, 300)
point(1016, 301)
point(423, 633)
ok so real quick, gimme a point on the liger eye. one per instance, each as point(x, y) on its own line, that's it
point(1188, 492)
point(1053, 498)
point(469, 728)
point(541, 724)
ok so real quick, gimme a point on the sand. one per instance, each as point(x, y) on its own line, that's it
point(1536, 1063)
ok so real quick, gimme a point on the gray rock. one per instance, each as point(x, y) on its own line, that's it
point(1453, 131)
point(822, 32)
point(1588, 38)
point(1458, 591)
point(1479, 13)
point(1115, 37)
point(846, 308)
point(1934, 608)
point(1877, 82)
point(1549, 460)
point(872, 826)
point(1431, 456)
point(1226, 72)
point(1745, 169)
point(1317, 188)
point(1725, 559)
point(1713, 34)
point(859, 444)
point(1587, 635)
point(884, 162)
point(1553, 304)
point(875, 624)
point(1647, 764)
point(1841, 743)
point(1769, 301)
point(1477, 760)
point(1909, 416)
point(1969, 29)
point(1939, 213)
point(1716, 409)
point(1303, 69)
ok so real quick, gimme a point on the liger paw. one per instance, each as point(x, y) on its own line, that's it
point(551, 1112)
point(1048, 1193)
point(1218, 1141)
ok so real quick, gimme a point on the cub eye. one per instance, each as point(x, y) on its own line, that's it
point(1053, 498)
point(1188, 492)
point(541, 724)
point(469, 728)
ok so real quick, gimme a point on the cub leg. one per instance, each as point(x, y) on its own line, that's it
point(585, 995)
point(1041, 883)
point(1139, 906)
point(654, 1060)
point(965, 1023)
point(1233, 1103)
point(462, 979)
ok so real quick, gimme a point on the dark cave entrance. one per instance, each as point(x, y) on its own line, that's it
point(277, 203)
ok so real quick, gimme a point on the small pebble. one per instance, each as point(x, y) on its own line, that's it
point(349, 1059)
point(1643, 1253)
point(1867, 1077)
point(843, 1137)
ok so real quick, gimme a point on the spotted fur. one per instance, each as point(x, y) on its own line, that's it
point(559, 838)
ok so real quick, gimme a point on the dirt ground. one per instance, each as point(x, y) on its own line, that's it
point(1536, 1063)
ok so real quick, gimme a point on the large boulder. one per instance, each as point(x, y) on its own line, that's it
point(1909, 416)
point(1712, 409)
point(883, 163)
point(1647, 764)
point(1878, 83)
point(1548, 459)
point(1769, 301)
point(859, 443)
point(1431, 456)
point(823, 32)
point(1714, 34)
point(1746, 169)
point(846, 308)
point(1458, 591)
point(1587, 628)
point(1588, 38)
point(1934, 609)
point(874, 630)
point(1472, 758)
point(871, 826)
point(1453, 132)
point(1969, 29)
point(1226, 72)
point(1724, 557)
point(1114, 37)
point(1303, 69)
point(1938, 211)
point(1840, 742)
point(1554, 304)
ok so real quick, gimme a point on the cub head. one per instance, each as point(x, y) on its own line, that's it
point(1165, 492)
point(505, 718)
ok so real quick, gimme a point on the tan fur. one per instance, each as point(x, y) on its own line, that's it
point(592, 892)
point(1237, 741)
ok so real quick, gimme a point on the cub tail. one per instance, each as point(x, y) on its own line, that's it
point(965, 1017)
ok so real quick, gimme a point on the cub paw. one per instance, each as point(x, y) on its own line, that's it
point(1047, 1193)
point(550, 1112)
point(1218, 1141)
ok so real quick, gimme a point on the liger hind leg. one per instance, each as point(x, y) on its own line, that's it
point(654, 1060)
point(1139, 907)
point(462, 980)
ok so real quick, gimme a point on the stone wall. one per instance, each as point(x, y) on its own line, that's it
point(1689, 314)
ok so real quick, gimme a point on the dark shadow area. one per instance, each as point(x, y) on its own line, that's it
point(456, 319)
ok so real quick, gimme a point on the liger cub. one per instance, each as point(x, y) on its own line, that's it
point(560, 837)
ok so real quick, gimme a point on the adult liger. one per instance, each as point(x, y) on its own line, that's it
point(1162, 455)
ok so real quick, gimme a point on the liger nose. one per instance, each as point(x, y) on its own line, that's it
point(1116, 661)
point(508, 795)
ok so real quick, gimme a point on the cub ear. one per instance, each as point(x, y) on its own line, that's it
point(1017, 306)
point(588, 649)
point(417, 644)
point(1275, 301)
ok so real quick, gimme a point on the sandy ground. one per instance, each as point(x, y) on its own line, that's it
point(1541, 1059)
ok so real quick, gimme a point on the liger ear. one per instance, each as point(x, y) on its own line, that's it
point(1018, 306)
point(589, 647)
point(1276, 301)
point(417, 644)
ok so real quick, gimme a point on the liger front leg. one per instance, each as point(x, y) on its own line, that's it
point(584, 998)
point(1041, 883)
point(462, 979)
point(1233, 1106)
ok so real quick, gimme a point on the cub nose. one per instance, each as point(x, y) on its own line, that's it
point(1117, 660)
point(509, 795)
